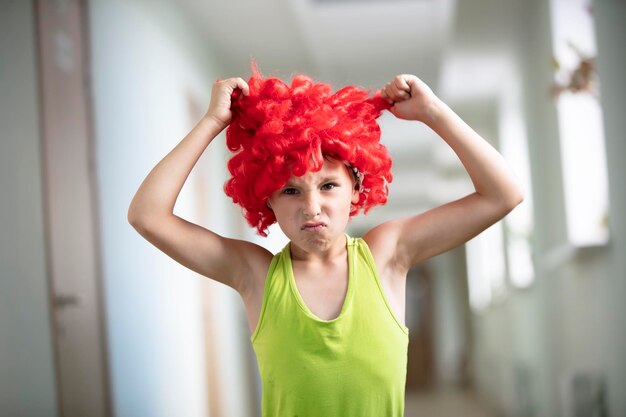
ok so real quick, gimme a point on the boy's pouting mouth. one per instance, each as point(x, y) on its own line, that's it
point(313, 226)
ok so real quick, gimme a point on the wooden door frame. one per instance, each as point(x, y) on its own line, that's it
point(70, 202)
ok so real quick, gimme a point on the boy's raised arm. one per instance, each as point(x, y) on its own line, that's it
point(417, 238)
point(151, 209)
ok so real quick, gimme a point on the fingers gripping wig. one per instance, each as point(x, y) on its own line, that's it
point(279, 130)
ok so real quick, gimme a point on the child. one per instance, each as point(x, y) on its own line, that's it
point(326, 314)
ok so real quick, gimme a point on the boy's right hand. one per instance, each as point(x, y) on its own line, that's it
point(219, 107)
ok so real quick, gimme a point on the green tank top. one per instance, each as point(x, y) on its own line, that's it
point(353, 365)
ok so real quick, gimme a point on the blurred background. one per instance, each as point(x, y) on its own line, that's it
point(528, 319)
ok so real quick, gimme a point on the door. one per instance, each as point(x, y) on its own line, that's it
point(70, 207)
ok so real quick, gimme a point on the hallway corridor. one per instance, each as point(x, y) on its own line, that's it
point(445, 403)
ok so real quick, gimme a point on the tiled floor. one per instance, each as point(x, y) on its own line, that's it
point(450, 403)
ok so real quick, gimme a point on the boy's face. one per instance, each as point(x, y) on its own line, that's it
point(314, 209)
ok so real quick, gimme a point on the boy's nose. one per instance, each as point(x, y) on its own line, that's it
point(311, 206)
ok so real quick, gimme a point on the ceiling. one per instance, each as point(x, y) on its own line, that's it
point(363, 42)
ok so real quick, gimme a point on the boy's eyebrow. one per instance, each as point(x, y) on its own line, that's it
point(331, 177)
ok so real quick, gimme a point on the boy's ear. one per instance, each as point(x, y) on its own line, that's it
point(355, 194)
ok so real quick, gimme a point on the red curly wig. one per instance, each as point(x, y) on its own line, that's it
point(279, 130)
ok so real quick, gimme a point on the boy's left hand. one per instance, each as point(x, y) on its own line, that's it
point(412, 99)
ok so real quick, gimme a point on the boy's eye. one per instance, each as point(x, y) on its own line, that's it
point(329, 186)
point(289, 191)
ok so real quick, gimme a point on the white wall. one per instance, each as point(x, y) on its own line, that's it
point(611, 32)
point(26, 354)
point(147, 61)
